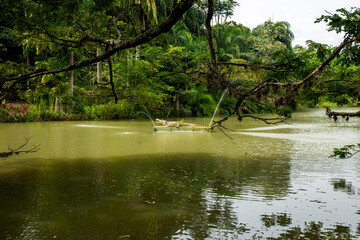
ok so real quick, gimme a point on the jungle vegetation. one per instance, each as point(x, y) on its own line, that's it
point(107, 59)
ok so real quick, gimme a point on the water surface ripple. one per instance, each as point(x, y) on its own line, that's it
point(121, 180)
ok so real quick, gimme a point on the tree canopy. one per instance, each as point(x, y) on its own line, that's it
point(176, 57)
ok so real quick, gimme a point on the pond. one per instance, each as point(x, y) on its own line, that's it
point(121, 180)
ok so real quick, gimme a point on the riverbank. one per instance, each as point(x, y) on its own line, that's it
point(22, 112)
point(17, 112)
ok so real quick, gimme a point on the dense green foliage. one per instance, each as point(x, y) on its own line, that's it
point(346, 151)
point(170, 74)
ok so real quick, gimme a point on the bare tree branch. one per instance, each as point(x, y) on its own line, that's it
point(274, 120)
point(117, 30)
point(20, 149)
point(222, 128)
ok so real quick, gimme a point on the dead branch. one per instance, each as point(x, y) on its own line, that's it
point(345, 115)
point(274, 120)
point(222, 128)
point(20, 149)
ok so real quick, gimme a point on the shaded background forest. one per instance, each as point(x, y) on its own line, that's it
point(172, 74)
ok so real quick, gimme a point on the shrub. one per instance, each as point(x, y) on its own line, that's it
point(14, 112)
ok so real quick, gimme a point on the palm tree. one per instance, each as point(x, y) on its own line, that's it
point(279, 31)
point(231, 41)
point(271, 37)
point(284, 34)
point(194, 20)
point(223, 10)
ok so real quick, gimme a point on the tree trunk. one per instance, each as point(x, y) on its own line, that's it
point(112, 81)
point(71, 78)
point(56, 105)
point(137, 54)
point(177, 104)
point(61, 108)
point(213, 73)
point(209, 36)
point(98, 68)
point(27, 65)
point(177, 101)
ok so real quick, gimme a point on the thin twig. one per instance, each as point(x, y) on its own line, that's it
point(227, 135)
point(274, 120)
point(19, 150)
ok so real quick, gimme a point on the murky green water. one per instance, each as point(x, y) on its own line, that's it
point(120, 180)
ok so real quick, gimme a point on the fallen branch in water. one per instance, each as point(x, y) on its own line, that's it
point(20, 149)
point(345, 115)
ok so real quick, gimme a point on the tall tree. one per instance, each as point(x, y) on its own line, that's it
point(270, 37)
point(63, 35)
point(232, 41)
point(71, 77)
point(279, 95)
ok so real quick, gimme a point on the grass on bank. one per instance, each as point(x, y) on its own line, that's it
point(15, 112)
point(20, 112)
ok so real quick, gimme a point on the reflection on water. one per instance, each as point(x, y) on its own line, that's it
point(311, 230)
point(142, 196)
point(281, 219)
point(294, 137)
point(120, 180)
point(340, 184)
point(94, 126)
point(316, 230)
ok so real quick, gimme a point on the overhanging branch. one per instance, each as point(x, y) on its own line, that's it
point(324, 64)
point(291, 87)
point(153, 32)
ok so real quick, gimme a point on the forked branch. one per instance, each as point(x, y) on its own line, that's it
point(20, 149)
point(274, 120)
